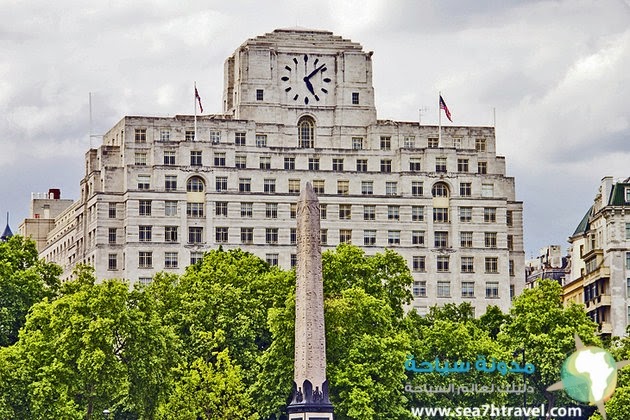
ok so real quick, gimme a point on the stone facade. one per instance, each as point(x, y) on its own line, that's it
point(600, 258)
point(298, 107)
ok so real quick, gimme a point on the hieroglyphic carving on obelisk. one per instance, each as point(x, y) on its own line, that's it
point(310, 393)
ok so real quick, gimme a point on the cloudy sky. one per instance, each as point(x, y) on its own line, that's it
point(557, 73)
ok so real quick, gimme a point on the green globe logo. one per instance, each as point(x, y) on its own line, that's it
point(589, 375)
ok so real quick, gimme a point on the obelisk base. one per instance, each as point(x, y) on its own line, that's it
point(309, 403)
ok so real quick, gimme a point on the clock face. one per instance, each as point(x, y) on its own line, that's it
point(306, 79)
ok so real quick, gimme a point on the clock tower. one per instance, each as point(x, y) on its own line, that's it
point(287, 74)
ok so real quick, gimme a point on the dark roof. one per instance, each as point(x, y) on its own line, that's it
point(6, 234)
point(584, 223)
point(617, 195)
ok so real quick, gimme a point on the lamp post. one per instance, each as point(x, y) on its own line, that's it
point(106, 413)
point(521, 351)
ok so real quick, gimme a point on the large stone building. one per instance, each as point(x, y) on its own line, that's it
point(298, 107)
point(600, 259)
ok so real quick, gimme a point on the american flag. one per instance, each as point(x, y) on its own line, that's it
point(445, 108)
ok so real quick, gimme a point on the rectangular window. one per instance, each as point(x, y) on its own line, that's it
point(627, 230)
point(492, 265)
point(294, 186)
point(313, 164)
point(627, 260)
point(417, 237)
point(272, 259)
point(240, 161)
point(457, 142)
point(112, 262)
point(511, 267)
point(169, 157)
point(510, 242)
point(140, 158)
point(319, 186)
point(466, 239)
point(194, 209)
point(391, 188)
point(433, 143)
point(195, 257)
point(369, 237)
point(462, 165)
point(170, 233)
point(111, 236)
point(195, 234)
point(165, 135)
point(509, 219)
point(145, 208)
point(465, 189)
point(441, 239)
point(362, 165)
point(627, 191)
point(221, 208)
point(221, 234)
point(293, 210)
point(289, 163)
point(261, 140)
point(293, 236)
point(393, 237)
point(490, 239)
point(386, 143)
point(221, 183)
point(247, 235)
point(440, 215)
point(271, 210)
point(482, 168)
point(465, 214)
point(417, 213)
point(271, 236)
point(355, 98)
point(323, 211)
point(442, 263)
point(369, 212)
point(145, 259)
point(269, 185)
point(215, 137)
point(444, 289)
point(345, 211)
point(418, 263)
point(420, 288)
point(247, 210)
point(489, 214)
point(386, 165)
point(140, 135)
point(170, 183)
point(357, 143)
point(144, 182)
point(367, 187)
point(260, 94)
point(417, 188)
point(195, 158)
point(440, 164)
point(240, 139)
point(170, 260)
point(467, 265)
point(265, 162)
point(144, 233)
point(480, 145)
point(468, 289)
point(245, 184)
point(409, 142)
point(415, 164)
point(189, 135)
point(487, 190)
point(293, 260)
point(345, 236)
point(337, 164)
point(393, 212)
point(112, 210)
point(323, 236)
point(492, 290)
point(343, 187)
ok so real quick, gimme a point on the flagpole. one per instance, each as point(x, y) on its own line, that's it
point(195, 105)
point(439, 120)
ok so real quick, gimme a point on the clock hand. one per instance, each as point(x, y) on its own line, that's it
point(309, 86)
point(314, 72)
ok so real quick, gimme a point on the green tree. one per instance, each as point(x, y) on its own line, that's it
point(24, 280)
point(540, 324)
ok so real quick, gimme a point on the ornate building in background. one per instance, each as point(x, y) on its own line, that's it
point(298, 107)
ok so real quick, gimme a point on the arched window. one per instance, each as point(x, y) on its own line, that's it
point(195, 184)
point(306, 132)
point(440, 189)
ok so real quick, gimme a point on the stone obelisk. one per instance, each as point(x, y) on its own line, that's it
point(310, 388)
